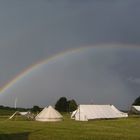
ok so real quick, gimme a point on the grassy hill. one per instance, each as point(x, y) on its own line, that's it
point(117, 129)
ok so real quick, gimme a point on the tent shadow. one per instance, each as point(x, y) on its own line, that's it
point(15, 136)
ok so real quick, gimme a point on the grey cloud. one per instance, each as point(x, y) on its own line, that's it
point(89, 74)
point(35, 30)
point(134, 80)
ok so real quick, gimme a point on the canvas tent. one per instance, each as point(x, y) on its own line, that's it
point(90, 112)
point(135, 109)
point(49, 114)
point(27, 114)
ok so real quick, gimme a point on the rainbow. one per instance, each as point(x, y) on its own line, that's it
point(54, 57)
point(38, 64)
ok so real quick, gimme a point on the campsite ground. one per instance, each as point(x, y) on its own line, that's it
point(20, 129)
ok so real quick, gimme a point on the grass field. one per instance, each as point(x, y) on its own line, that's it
point(4, 112)
point(118, 129)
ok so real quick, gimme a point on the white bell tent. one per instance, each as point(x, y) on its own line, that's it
point(49, 114)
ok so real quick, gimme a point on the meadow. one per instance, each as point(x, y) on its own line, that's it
point(116, 129)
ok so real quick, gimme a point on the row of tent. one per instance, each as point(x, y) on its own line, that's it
point(83, 113)
point(47, 114)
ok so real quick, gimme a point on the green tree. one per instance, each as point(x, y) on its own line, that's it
point(72, 105)
point(36, 109)
point(137, 101)
point(61, 104)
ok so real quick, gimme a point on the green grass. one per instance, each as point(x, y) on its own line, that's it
point(118, 129)
point(4, 112)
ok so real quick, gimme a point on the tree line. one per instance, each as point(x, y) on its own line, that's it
point(62, 105)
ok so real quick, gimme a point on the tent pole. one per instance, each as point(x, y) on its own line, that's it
point(79, 112)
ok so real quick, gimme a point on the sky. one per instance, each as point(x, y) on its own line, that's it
point(103, 71)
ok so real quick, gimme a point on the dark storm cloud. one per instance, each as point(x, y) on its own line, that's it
point(87, 75)
point(34, 30)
